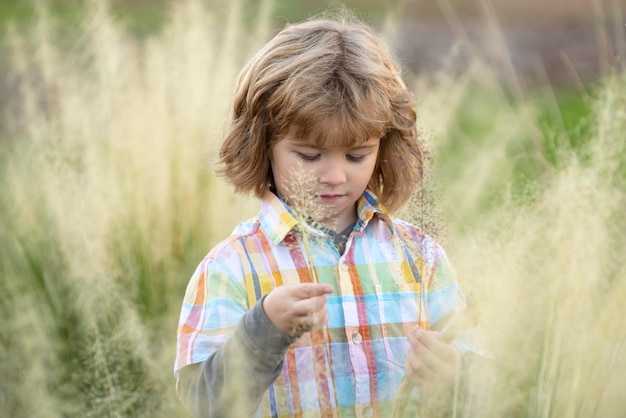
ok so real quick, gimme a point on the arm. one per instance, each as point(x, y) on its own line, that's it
point(440, 360)
point(239, 373)
point(244, 367)
point(432, 360)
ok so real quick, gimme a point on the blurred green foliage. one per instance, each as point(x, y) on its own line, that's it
point(144, 17)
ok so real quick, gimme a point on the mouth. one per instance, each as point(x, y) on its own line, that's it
point(330, 198)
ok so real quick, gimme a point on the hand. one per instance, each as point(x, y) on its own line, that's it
point(299, 308)
point(431, 362)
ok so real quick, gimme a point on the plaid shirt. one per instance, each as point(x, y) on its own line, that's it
point(391, 278)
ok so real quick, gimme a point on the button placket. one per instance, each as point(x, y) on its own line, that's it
point(354, 336)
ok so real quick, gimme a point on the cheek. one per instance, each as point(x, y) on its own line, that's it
point(291, 180)
point(278, 173)
point(283, 171)
point(369, 171)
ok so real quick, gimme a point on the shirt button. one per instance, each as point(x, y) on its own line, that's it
point(368, 412)
point(357, 338)
point(344, 266)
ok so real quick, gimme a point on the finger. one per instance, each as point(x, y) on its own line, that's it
point(321, 316)
point(309, 290)
point(418, 354)
point(443, 350)
point(418, 372)
point(423, 351)
point(306, 307)
point(421, 376)
point(319, 326)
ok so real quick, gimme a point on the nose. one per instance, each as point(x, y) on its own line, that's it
point(332, 173)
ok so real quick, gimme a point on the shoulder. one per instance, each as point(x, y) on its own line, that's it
point(231, 249)
point(414, 235)
point(409, 230)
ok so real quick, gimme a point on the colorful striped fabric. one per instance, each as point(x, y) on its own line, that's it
point(391, 278)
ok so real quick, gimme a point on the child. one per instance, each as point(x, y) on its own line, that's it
point(321, 304)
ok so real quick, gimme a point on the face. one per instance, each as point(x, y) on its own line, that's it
point(330, 179)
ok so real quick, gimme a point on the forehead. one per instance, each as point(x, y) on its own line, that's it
point(333, 132)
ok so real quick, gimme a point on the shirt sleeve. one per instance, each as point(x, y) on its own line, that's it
point(242, 370)
point(448, 305)
point(445, 297)
point(224, 349)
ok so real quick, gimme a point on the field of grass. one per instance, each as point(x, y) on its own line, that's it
point(108, 202)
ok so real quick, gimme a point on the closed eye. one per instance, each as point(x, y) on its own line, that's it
point(355, 158)
point(308, 157)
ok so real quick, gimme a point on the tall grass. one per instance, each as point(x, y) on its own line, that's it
point(538, 236)
point(107, 203)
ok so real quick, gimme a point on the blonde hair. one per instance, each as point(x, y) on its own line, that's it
point(326, 79)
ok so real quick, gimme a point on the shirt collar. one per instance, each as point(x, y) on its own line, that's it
point(277, 219)
point(367, 207)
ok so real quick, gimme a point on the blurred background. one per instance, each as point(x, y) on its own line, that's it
point(111, 115)
point(557, 42)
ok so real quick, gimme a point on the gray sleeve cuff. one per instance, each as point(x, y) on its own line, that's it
point(257, 346)
point(262, 337)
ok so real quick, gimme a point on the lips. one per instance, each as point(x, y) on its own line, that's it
point(329, 198)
